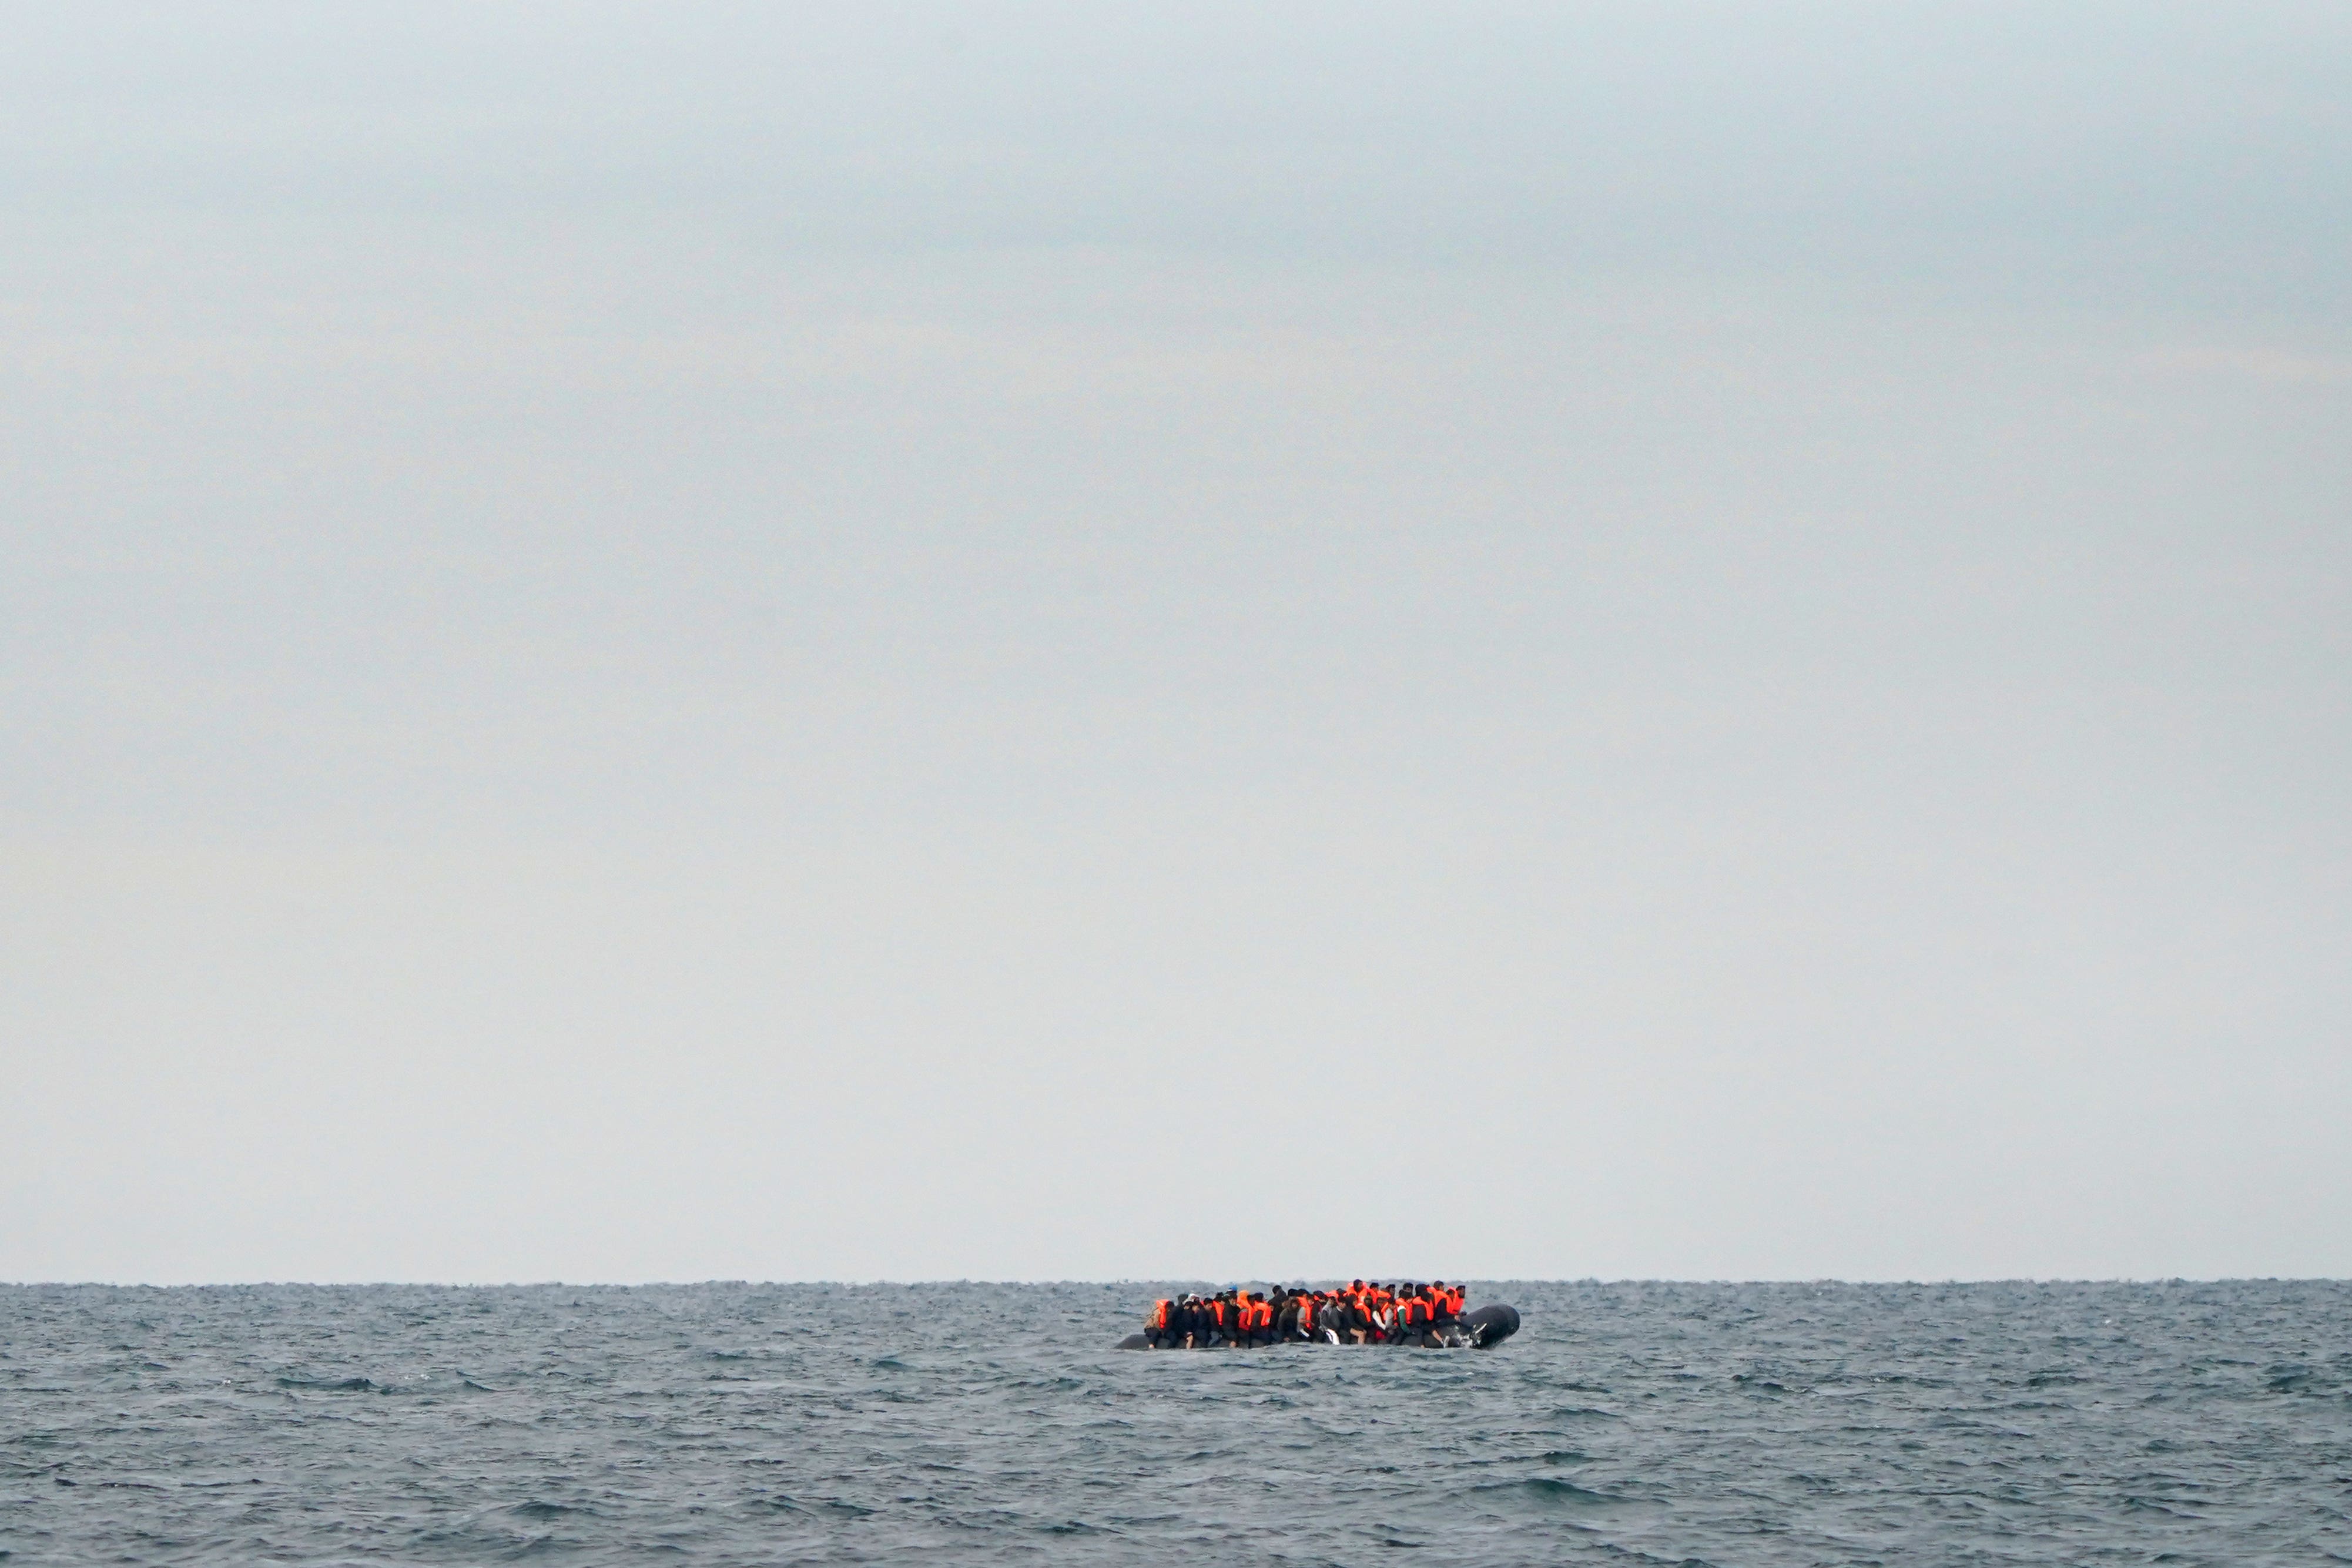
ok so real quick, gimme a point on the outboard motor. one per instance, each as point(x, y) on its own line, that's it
point(1490, 1326)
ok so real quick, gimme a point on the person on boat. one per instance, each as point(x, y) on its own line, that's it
point(1195, 1322)
point(1414, 1317)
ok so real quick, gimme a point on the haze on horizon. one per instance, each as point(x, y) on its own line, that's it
point(1062, 641)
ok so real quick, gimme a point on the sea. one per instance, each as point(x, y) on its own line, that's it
point(734, 1423)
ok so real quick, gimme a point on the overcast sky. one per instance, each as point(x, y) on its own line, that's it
point(931, 640)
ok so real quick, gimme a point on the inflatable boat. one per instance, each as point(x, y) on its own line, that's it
point(1480, 1330)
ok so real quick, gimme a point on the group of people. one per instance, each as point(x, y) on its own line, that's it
point(1360, 1312)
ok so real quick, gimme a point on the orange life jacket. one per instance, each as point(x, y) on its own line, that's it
point(1307, 1314)
point(1159, 1317)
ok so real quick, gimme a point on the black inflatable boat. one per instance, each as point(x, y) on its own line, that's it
point(1482, 1329)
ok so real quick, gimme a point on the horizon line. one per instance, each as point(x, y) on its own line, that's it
point(879, 1282)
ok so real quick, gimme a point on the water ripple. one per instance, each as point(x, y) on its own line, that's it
point(758, 1423)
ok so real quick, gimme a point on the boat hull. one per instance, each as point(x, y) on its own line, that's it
point(1483, 1329)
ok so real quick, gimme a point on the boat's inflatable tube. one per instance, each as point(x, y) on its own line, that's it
point(1484, 1329)
point(1490, 1326)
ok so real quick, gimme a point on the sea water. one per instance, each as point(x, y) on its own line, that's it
point(779, 1424)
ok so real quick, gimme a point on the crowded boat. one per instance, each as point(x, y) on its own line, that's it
point(1360, 1312)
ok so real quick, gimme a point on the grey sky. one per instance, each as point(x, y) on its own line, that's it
point(711, 641)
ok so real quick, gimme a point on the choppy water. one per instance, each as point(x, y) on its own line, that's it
point(753, 1424)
